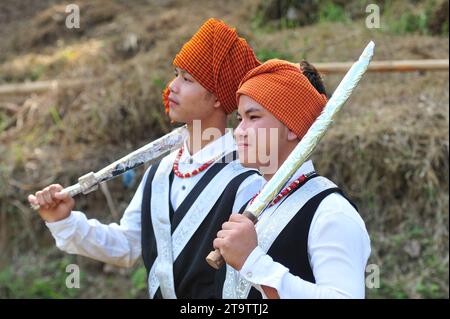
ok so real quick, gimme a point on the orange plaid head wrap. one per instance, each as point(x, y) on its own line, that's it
point(218, 59)
point(281, 88)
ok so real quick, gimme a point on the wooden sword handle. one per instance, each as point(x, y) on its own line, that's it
point(215, 258)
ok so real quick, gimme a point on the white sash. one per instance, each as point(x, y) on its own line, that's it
point(161, 273)
point(235, 286)
point(170, 246)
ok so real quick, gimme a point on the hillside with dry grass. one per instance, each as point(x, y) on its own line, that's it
point(389, 148)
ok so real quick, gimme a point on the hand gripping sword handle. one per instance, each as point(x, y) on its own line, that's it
point(86, 184)
point(215, 258)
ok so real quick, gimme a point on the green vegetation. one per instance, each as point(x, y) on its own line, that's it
point(398, 17)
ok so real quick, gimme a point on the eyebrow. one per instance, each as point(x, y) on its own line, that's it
point(252, 109)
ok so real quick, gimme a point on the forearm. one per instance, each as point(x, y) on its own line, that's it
point(274, 280)
point(114, 244)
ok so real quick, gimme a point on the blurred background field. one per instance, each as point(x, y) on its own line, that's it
point(389, 148)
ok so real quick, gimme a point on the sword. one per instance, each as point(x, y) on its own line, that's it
point(148, 153)
point(305, 147)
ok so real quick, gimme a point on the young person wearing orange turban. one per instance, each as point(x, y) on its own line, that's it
point(183, 200)
point(310, 242)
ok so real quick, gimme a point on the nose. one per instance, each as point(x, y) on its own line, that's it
point(173, 86)
point(240, 131)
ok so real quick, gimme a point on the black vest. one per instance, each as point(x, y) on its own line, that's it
point(193, 277)
point(295, 234)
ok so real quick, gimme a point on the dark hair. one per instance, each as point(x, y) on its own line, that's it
point(313, 76)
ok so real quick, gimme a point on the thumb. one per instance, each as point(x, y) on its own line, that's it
point(62, 195)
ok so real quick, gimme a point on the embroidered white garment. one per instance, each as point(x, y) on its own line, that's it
point(338, 249)
point(161, 273)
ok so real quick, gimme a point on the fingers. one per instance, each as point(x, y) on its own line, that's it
point(229, 225)
point(223, 233)
point(234, 220)
point(47, 197)
point(56, 189)
point(238, 218)
point(32, 200)
point(62, 196)
point(41, 200)
point(218, 244)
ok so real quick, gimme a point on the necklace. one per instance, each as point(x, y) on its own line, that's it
point(196, 171)
point(287, 190)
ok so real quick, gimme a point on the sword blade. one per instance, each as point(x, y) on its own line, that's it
point(147, 154)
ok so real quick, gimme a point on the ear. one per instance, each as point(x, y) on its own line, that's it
point(292, 136)
point(216, 102)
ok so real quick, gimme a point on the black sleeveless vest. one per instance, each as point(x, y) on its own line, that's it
point(193, 277)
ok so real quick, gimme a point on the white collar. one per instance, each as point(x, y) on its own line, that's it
point(213, 150)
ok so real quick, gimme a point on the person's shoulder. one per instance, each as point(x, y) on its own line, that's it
point(253, 180)
point(336, 207)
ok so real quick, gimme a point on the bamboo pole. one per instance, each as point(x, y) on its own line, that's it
point(41, 86)
point(387, 66)
point(326, 68)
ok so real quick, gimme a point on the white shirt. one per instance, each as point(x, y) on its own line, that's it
point(338, 250)
point(120, 244)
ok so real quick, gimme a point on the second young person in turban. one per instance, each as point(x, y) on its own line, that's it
point(310, 242)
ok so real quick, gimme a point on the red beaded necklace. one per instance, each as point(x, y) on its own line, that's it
point(194, 172)
point(293, 186)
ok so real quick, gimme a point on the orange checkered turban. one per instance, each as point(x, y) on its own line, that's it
point(281, 88)
point(218, 59)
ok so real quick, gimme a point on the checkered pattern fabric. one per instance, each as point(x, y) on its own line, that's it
point(218, 59)
point(281, 88)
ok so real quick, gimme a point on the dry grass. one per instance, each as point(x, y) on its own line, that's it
point(393, 160)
